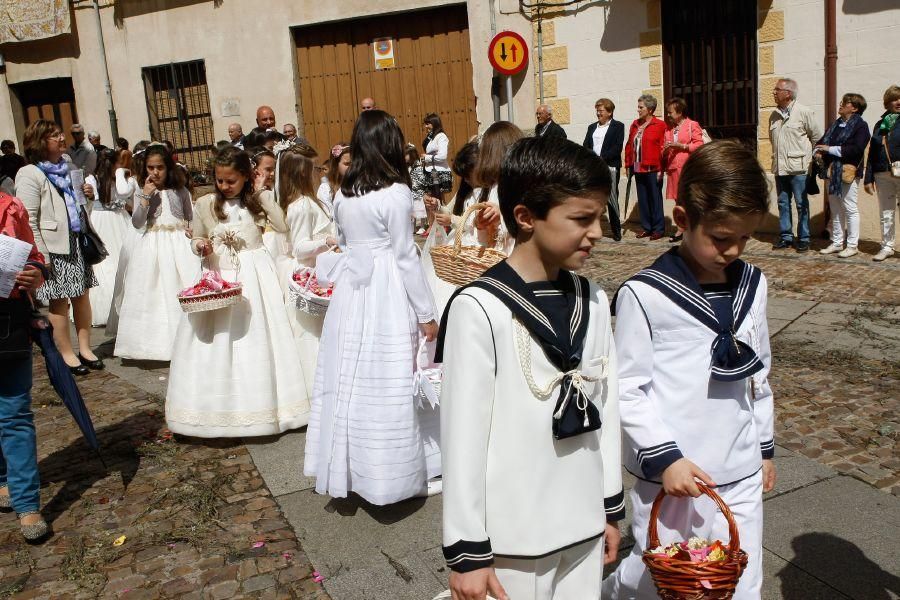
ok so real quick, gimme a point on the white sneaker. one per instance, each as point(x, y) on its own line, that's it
point(883, 254)
point(435, 487)
point(833, 248)
point(848, 252)
point(420, 231)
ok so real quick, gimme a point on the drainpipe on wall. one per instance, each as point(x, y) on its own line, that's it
point(831, 56)
point(113, 122)
point(540, 36)
point(495, 79)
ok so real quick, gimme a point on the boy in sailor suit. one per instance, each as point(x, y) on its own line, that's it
point(694, 358)
point(531, 442)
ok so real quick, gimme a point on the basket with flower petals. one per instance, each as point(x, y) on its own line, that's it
point(211, 293)
point(307, 294)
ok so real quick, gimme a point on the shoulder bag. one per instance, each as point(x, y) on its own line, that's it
point(93, 250)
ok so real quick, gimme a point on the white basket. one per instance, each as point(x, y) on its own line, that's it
point(306, 300)
point(210, 301)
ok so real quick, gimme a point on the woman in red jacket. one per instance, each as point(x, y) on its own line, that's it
point(643, 159)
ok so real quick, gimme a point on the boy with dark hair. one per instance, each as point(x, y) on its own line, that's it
point(529, 409)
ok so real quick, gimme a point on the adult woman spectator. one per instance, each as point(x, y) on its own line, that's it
point(682, 137)
point(605, 138)
point(842, 148)
point(19, 479)
point(879, 181)
point(46, 191)
point(437, 145)
point(643, 157)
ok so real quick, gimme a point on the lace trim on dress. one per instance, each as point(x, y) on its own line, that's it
point(236, 418)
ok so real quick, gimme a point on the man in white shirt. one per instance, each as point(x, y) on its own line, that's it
point(792, 131)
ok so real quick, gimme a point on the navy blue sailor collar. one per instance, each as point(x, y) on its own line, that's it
point(563, 348)
point(732, 359)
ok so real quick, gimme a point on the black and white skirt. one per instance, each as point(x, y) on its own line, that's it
point(70, 277)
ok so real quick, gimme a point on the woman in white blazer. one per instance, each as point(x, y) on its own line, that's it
point(45, 188)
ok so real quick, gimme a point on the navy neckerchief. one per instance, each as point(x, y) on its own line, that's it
point(732, 359)
point(562, 348)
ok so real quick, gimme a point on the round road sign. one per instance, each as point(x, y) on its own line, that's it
point(508, 52)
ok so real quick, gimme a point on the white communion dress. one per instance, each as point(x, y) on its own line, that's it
point(113, 224)
point(310, 225)
point(160, 265)
point(234, 370)
point(366, 434)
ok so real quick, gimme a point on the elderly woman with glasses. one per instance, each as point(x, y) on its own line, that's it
point(643, 158)
point(45, 188)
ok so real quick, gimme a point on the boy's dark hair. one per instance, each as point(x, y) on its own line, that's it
point(540, 173)
point(722, 179)
point(377, 159)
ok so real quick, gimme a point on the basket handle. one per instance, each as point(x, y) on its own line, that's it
point(457, 242)
point(734, 545)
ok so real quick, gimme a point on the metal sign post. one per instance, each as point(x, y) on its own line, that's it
point(508, 54)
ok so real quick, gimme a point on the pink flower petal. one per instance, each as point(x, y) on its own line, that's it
point(258, 544)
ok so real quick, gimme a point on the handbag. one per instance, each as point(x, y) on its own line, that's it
point(93, 250)
point(812, 185)
point(848, 173)
point(15, 333)
point(895, 164)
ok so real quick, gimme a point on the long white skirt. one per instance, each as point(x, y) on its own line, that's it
point(161, 265)
point(114, 228)
point(365, 433)
point(234, 370)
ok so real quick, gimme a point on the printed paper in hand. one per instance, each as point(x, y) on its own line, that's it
point(77, 177)
point(13, 255)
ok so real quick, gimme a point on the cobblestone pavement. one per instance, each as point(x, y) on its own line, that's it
point(197, 518)
point(839, 407)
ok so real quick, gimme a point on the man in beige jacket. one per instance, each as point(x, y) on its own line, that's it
point(792, 131)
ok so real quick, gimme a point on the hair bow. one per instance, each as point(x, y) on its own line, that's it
point(337, 149)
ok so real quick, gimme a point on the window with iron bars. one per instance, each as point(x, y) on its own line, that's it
point(710, 60)
point(179, 111)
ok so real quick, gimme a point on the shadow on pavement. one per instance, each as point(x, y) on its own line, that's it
point(386, 515)
point(826, 554)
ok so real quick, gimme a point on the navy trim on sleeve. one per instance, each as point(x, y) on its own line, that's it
point(465, 556)
point(656, 459)
point(768, 449)
point(615, 507)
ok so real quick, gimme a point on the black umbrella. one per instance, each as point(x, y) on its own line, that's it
point(63, 382)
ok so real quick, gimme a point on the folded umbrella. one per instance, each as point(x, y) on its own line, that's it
point(63, 382)
point(624, 215)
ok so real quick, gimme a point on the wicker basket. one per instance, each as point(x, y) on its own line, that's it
point(210, 301)
point(678, 579)
point(461, 265)
point(306, 300)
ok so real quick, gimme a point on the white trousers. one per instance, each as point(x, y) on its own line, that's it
point(845, 215)
point(888, 191)
point(572, 574)
point(682, 518)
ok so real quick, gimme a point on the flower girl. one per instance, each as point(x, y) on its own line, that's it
point(234, 370)
point(364, 433)
point(160, 263)
point(311, 233)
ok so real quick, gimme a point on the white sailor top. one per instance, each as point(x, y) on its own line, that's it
point(675, 400)
point(510, 487)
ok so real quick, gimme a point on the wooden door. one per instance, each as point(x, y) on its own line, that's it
point(433, 73)
point(51, 99)
point(709, 50)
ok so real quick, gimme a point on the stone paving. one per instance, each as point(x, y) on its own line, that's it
point(197, 518)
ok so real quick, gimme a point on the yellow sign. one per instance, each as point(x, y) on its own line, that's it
point(384, 53)
point(508, 52)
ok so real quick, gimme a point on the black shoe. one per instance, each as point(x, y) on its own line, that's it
point(676, 238)
point(782, 244)
point(802, 246)
point(617, 237)
point(79, 370)
point(94, 365)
